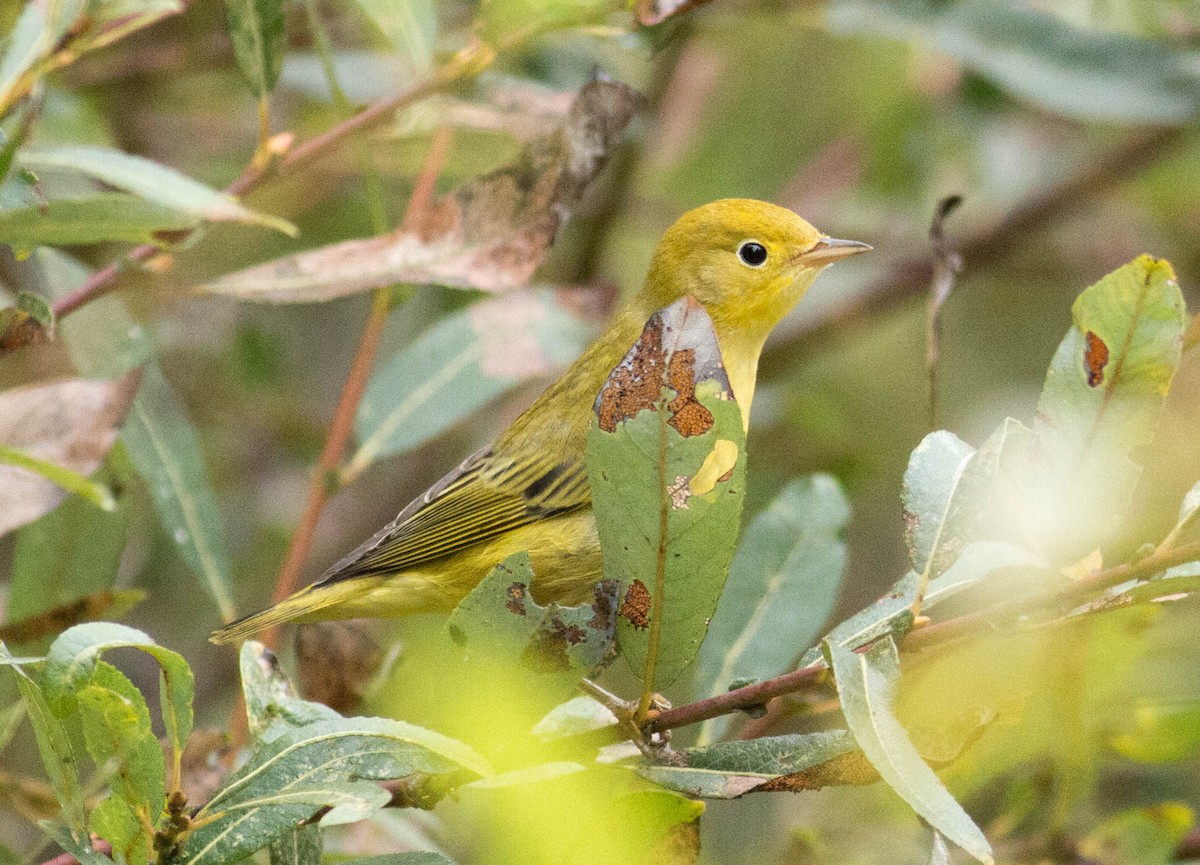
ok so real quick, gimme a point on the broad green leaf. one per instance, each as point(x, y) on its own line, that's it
point(1161, 732)
point(70, 553)
point(1089, 74)
point(459, 365)
point(1147, 836)
point(667, 464)
point(259, 41)
point(1102, 398)
point(54, 435)
point(116, 728)
point(154, 183)
point(272, 707)
point(490, 234)
point(930, 481)
point(781, 588)
point(346, 801)
point(252, 808)
point(866, 685)
point(103, 340)
point(410, 26)
point(499, 621)
point(892, 614)
point(71, 665)
point(303, 845)
point(728, 770)
point(105, 216)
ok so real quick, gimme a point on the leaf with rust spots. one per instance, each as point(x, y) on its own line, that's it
point(490, 234)
point(499, 622)
point(667, 451)
point(1095, 358)
point(71, 423)
point(727, 770)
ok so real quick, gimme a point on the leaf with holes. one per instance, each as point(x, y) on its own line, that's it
point(667, 462)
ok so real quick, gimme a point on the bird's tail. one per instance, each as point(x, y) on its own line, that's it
point(305, 605)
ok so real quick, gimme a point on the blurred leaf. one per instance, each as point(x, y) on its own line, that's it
point(89, 608)
point(80, 848)
point(112, 20)
point(54, 747)
point(782, 585)
point(727, 770)
point(892, 614)
point(63, 478)
point(411, 27)
point(1035, 55)
point(1102, 398)
point(116, 728)
point(27, 320)
point(163, 447)
point(667, 459)
point(499, 621)
point(72, 660)
point(416, 857)
point(939, 855)
point(10, 722)
point(490, 234)
point(1147, 836)
point(70, 424)
point(315, 765)
point(577, 715)
point(459, 365)
point(155, 183)
point(36, 33)
point(303, 845)
point(527, 775)
point(651, 12)
point(101, 217)
point(930, 483)
point(259, 41)
point(1161, 733)
point(335, 663)
point(866, 688)
point(272, 706)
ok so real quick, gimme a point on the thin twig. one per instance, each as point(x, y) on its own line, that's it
point(911, 276)
point(947, 264)
point(939, 634)
point(466, 65)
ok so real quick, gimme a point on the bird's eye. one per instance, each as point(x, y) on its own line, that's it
point(752, 253)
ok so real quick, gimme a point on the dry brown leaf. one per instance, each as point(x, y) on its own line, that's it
point(489, 234)
point(72, 423)
point(109, 604)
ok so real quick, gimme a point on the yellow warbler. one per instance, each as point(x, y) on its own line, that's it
point(747, 262)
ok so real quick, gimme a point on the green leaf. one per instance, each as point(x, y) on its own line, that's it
point(79, 848)
point(781, 588)
point(303, 845)
point(459, 365)
point(259, 41)
point(72, 482)
point(410, 26)
point(254, 807)
point(866, 688)
point(71, 665)
point(105, 216)
point(1147, 836)
point(572, 718)
point(103, 340)
point(1037, 56)
point(1102, 398)
point(10, 722)
point(116, 728)
point(934, 470)
point(37, 32)
point(70, 553)
point(500, 622)
point(727, 770)
point(272, 707)
point(54, 746)
point(667, 471)
point(1161, 732)
point(148, 180)
point(892, 614)
point(417, 857)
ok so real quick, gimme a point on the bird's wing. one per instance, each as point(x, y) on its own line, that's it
point(489, 494)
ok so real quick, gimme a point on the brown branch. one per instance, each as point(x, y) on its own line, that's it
point(324, 479)
point(467, 64)
point(939, 634)
point(910, 277)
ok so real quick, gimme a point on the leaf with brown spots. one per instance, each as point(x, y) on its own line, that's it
point(490, 234)
point(667, 453)
point(1095, 358)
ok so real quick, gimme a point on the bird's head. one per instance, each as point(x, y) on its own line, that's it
point(747, 261)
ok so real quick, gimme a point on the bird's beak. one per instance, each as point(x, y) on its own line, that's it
point(830, 249)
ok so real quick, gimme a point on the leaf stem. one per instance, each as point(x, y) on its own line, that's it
point(928, 637)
